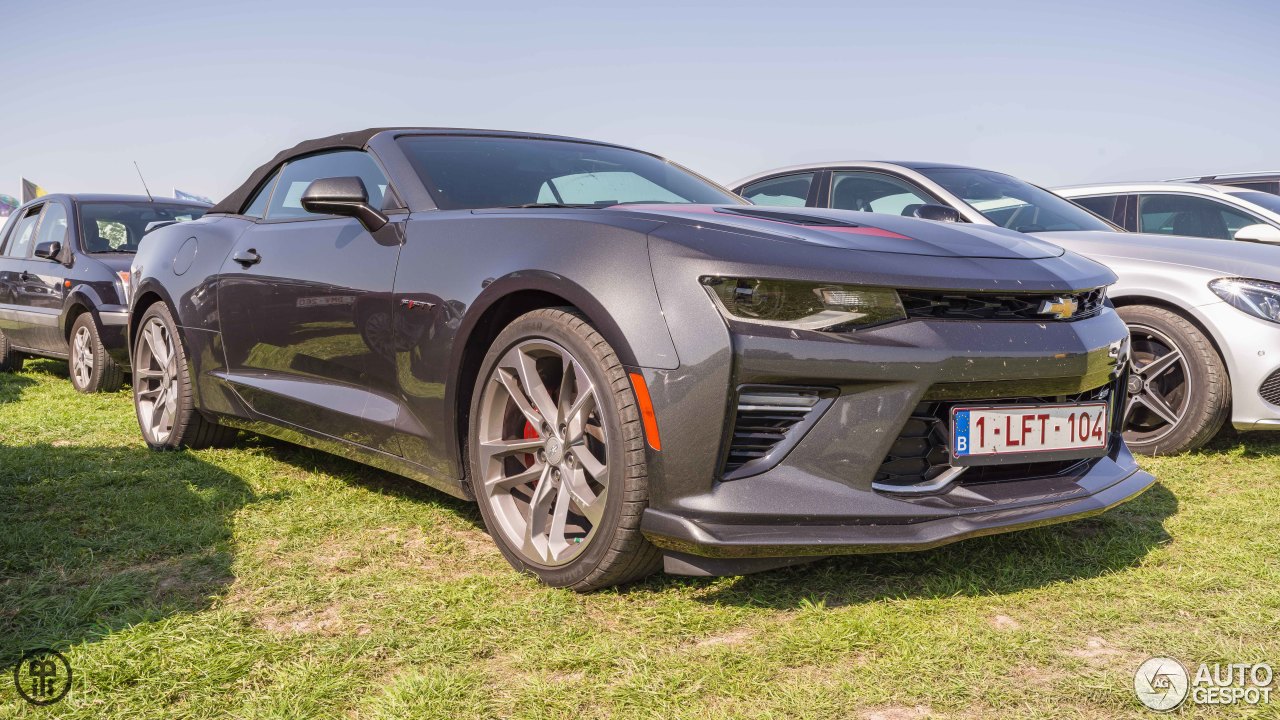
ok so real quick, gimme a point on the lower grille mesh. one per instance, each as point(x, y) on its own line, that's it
point(1270, 389)
point(767, 423)
point(920, 453)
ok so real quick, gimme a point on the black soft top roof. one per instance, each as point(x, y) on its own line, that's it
point(355, 140)
point(348, 140)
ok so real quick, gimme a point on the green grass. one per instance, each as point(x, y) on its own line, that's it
point(271, 581)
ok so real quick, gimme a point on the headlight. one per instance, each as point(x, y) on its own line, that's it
point(804, 305)
point(1256, 297)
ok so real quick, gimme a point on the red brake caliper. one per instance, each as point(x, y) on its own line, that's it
point(529, 434)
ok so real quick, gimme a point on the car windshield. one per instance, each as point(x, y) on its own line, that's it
point(119, 226)
point(1014, 204)
point(1263, 200)
point(467, 172)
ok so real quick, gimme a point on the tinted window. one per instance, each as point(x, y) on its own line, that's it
point(119, 226)
point(286, 200)
point(785, 191)
point(463, 172)
point(20, 244)
point(1266, 187)
point(53, 226)
point(1104, 205)
point(875, 192)
point(1012, 203)
point(1266, 201)
point(1190, 215)
point(258, 206)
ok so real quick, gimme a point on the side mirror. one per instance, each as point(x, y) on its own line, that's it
point(1261, 232)
point(48, 250)
point(345, 196)
point(937, 213)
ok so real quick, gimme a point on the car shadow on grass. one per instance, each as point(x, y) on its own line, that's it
point(96, 539)
point(1112, 542)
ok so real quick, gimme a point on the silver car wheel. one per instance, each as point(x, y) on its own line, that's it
point(1159, 386)
point(542, 452)
point(82, 357)
point(155, 378)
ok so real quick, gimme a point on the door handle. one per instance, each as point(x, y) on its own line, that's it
point(247, 257)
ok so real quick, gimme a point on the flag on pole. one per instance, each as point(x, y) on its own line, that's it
point(30, 191)
point(8, 204)
point(180, 195)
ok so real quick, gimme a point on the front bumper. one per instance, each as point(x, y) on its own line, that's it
point(1251, 349)
point(823, 496)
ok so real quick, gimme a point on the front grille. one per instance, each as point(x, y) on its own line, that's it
point(1270, 389)
point(920, 455)
point(767, 423)
point(997, 306)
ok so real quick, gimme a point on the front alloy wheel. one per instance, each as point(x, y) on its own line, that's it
point(552, 421)
point(1178, 392)
point(162, 394)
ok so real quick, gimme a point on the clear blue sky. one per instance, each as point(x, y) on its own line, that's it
point(200, 93)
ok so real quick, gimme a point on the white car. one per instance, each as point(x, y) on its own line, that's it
point(1221, 212)
point(1204, 315)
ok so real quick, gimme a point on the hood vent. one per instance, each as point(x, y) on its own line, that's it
point(791, 218)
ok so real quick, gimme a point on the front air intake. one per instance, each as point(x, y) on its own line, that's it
point(1270, 389)
point(768, 422)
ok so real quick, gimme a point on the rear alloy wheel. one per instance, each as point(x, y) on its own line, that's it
point(10, 359)
point(162, 389)
point(557, 454)
point(1178, 392)
point(92, 369)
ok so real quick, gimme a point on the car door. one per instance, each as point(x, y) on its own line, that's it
point(1191, 215)
point(18, 289)
point(46, 280)
point(1119, 209)
point(302, 302)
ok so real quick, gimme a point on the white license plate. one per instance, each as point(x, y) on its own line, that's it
point(978, 432)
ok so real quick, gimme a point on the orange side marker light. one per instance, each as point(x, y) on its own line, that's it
point(647, 416)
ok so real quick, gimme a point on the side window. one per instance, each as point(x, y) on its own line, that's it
point(258, 207)
point(20, 244)
point(1192, 216)
point(53, 227)
point(785, 191)
point(1108, 206)
point(286, 200)
point(876, 192)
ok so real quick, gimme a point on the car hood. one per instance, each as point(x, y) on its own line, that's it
point(1225, 257)
point(869, 232)
point(116, 262)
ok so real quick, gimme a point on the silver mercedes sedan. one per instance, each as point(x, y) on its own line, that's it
point(1204, 314)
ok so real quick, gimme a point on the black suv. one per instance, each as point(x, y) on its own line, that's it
point(64, 280)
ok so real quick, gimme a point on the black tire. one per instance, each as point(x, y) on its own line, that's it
point(617, 553)
point(1203, 402)
point(189, 428)
point(10, 360)
point(101, 373)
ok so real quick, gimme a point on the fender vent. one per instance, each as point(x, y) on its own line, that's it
point(1270, 389)
point(768, 422)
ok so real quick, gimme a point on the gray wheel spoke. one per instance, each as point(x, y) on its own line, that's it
point(590, 505)
point(576, 415)
point(147, 374)
point(556, 541)
point(1157, 405)
point(590, 463)
point(1160, 365)
point(534, 387)
point(509, 382)
point(505, 448)
point(506, 482)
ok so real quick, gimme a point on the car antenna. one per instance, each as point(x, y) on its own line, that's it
point(144, 181)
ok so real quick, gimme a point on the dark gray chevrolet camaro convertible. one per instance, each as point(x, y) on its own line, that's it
point(627, 366)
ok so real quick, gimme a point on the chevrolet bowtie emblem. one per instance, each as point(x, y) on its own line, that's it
point(1061, 308)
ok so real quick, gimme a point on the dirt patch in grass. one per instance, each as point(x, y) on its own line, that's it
point(326, 621)
point(897, 713)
